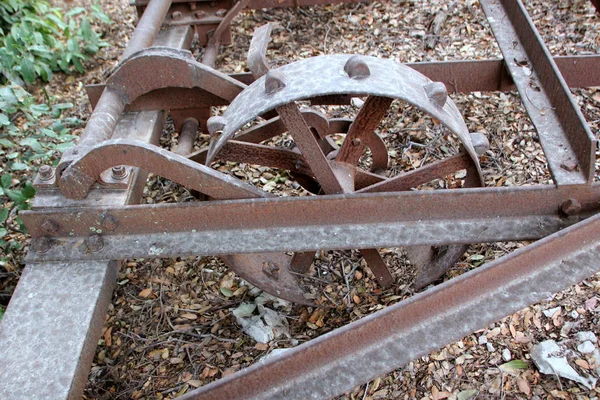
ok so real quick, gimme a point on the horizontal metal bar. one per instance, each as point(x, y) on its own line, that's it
point(256, 4)
point(358, 352)
point(299, 224)
point(458, 76)
point(568, 144)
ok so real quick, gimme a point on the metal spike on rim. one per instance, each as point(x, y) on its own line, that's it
point(436, 91)
point(215, 125)
point(357, 68)
point(480, 142)
point(274, 81)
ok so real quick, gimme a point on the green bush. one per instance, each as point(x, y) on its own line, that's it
point(35, 40)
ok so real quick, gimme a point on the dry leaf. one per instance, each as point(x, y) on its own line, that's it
point(189, 316)
point(145, 293)
point(108, 336)
point(523, 385)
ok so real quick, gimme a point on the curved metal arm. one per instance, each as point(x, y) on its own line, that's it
point(78, 178)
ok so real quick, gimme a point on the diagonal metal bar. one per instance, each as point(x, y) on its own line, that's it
point(309, 147)
point(355, 354)
point(414, 178)
point(564, 135)
point(364, 125)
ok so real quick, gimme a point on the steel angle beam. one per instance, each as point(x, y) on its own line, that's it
point(568, 144)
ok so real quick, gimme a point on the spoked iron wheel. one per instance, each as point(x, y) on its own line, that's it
point(322, 167)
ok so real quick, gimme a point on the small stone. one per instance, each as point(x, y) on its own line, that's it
point(490, 347)
point(482, 340)
point(551, 311)
point(586, 347)
point(506, 356)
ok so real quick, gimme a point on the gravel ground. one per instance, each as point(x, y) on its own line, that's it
point(170, 326)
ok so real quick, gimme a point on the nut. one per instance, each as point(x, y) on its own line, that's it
point(119, 172)
point(221, 12)
point(177, 15)
point(356, 142)
point(571, 206)
point(42, 245)
point(200, 14)
point(46, 172)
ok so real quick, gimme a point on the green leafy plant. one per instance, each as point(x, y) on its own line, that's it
point(35, 40)
point(20, 197)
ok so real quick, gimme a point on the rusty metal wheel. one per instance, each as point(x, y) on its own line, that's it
point(321, 166)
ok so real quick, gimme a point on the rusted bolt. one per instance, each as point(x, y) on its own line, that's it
point(274, 81)
point(215, 125)
point(200, 14)
point(357, 68)
point(42, 245)
point(221, 12)
point(480, 142)
point(298, 164)
point(46, 173)
point(94, 243)
point(193, 5)
point(119, 172)
point(356, 142)
point(109, 223)
point(271, 270)
point(177, 15)
point(49, 226)
point(571, 206)
point(437, 93)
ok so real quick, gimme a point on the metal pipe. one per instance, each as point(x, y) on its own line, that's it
point(111, 104)
point(187, 137)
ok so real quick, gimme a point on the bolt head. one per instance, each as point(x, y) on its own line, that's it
point(271, 270)
point(46, 172)
point(221, 12)
point(200, 14)
point(94, 243)
point(49, 226)
point(356, 142)
point(571, 206)
point(357, 68)
point(177, 15)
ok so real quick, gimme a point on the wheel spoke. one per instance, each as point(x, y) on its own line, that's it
point(367, 120)
point(309, 147)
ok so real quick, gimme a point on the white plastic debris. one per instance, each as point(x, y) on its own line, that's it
point(265, 326)
point(586, 347)
point(551, 359)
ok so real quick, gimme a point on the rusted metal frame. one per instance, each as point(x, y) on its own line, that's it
point(187, 136)
point(212, 48)
point(458, 76)
point(374, 345)
point(564, 135)
point(458, 216)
